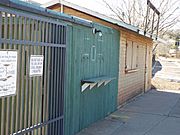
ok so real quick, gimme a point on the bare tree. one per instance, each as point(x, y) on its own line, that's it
point(134, 12)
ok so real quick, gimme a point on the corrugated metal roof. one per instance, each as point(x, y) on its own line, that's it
point(100, 16)
point(34, 8)
point(93, 13)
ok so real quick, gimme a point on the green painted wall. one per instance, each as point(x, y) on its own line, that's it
point(84, 108)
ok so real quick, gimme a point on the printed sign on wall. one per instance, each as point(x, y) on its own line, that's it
point(36, 65)
point(8, 73)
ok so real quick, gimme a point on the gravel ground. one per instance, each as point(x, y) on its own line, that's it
point(162, 84)
point(166, 74)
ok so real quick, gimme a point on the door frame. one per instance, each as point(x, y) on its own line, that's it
point(146, 73)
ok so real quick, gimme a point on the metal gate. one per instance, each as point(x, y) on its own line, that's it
point(37, 106)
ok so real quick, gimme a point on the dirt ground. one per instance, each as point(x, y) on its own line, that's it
point(159, 83)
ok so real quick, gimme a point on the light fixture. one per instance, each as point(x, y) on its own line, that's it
point(97, 31)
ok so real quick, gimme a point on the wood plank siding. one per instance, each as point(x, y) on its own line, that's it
point(130, 83)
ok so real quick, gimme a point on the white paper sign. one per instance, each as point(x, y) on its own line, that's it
point(8, 73)
point(36, 65)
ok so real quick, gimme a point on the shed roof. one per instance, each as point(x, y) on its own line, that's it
point(36, 9)
point(100, 16)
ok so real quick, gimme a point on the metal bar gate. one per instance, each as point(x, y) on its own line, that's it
point(37, 106)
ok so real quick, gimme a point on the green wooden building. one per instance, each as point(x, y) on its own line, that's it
point(78, 84)
point(92, 61)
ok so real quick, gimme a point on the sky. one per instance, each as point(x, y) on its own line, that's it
point(99, 5)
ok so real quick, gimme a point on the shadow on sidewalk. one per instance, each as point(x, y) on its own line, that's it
point(157, 66)
point(153, 113)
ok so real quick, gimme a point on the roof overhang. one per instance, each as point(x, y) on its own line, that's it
point(36, 9)
point(100, 16)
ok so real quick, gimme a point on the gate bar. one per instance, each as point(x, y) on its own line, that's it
point(32, 128)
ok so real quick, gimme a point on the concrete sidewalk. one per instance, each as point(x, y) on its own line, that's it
point(154, 113)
